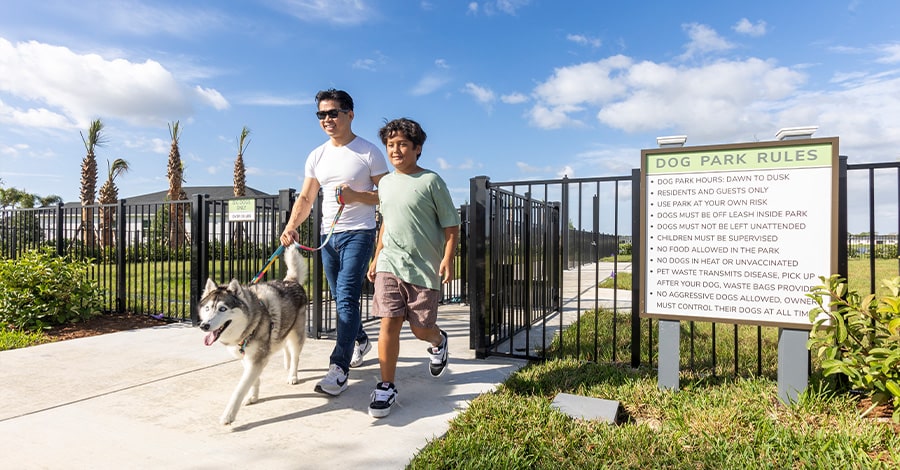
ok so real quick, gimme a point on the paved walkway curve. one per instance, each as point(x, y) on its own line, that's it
point(151, 399)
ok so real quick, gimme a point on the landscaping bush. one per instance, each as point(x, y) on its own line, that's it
point(859, 337)
point(41, 289)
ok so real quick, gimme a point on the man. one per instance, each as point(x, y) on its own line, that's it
point(350, 166)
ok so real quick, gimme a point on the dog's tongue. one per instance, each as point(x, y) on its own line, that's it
point(210, 338)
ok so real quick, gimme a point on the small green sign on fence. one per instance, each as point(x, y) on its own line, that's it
point(241, 210)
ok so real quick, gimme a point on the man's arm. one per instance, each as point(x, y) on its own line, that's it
point(365, 197)
point(300, 211)
point(446, 271)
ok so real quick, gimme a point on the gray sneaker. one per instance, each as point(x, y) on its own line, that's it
point(334, 382)
point(359, 353)
point(438, 357)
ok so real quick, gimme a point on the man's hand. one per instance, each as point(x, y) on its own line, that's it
point(290, 236)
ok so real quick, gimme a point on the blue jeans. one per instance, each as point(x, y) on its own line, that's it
point(345, 260)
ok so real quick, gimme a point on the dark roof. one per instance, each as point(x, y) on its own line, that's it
point(214, 192)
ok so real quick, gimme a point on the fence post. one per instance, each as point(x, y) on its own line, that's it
point(199, 242)
point(464, 253)
point(60, 238)
point(318, 285)
point(842, 262)
point(477, 264)
point(636, 270)
point(121, 249)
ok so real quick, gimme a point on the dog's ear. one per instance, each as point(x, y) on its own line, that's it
point(210, 286)
point(234, 286)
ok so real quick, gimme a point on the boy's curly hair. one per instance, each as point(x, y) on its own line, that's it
point(407, 127)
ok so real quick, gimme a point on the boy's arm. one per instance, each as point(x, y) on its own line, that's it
point(446, 271)
point(378, 246)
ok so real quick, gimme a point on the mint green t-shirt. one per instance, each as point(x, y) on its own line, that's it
point(415, 210)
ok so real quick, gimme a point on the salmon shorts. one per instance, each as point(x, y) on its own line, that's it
point(395, 297)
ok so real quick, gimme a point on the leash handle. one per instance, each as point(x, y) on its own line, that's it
point(339, 197)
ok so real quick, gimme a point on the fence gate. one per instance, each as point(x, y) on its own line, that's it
point(538, 252)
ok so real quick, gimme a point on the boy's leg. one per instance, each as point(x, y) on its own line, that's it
point(431, 334)
point(389, 347)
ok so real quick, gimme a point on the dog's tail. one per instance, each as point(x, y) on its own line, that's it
point(297, 270)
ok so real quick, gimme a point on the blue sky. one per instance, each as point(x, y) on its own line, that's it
point(511, 89)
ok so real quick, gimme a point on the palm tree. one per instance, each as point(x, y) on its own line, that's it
point(109, 195)
point(49, 200)
point(89, 178)
point(175, 173)
point(240, 173)
point(240, 181)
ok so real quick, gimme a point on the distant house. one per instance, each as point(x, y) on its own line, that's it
point(142, 209)
point(214, 192)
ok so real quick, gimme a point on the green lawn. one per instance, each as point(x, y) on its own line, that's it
point(710, 423)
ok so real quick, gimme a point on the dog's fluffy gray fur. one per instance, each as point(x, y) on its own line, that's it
point(254, 322)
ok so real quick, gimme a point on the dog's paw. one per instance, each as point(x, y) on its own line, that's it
point(250, 400)
point(226, 419)
point(293, 380)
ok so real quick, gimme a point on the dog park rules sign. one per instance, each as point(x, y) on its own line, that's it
point(738, 233)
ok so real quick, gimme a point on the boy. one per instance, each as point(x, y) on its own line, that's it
point(414, 254)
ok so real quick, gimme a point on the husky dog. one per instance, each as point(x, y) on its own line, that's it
point(256, 321)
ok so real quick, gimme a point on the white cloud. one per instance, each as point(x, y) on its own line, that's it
point(703, 41)
point(890, 54)
point(583, 40)
point(142, 18)
point(441, 64)
point(442, 164)
point(566, 171)
point(744, 26)
point(718, 98)
point(429, 84)
point(365, 64)
point(67, 89)
point(509, 7)
point(514, 98)
point(484, 96)
point(339, 12)
point(553, 117)
point(212, 97)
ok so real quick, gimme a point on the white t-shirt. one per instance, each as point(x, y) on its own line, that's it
point(354, 164)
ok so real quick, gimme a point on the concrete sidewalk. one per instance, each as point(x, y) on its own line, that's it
point(151, 398)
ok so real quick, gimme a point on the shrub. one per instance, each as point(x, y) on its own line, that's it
point(41, 289)
point(860, 338)
point(625, 248)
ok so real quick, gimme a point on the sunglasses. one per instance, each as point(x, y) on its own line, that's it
point(332, 113)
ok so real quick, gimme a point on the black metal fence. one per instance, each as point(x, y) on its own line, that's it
point(539, 252)
point(155, 258)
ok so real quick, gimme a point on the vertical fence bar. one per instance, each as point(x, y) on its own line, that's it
point(121, 258)
point(199, 266)
point(636, 274)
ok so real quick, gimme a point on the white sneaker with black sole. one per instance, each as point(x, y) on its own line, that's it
point(383, 398)
point(359, 353)
point(334, 382)
point(439, 356)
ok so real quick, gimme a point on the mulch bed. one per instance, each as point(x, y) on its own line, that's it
point(102, 324)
